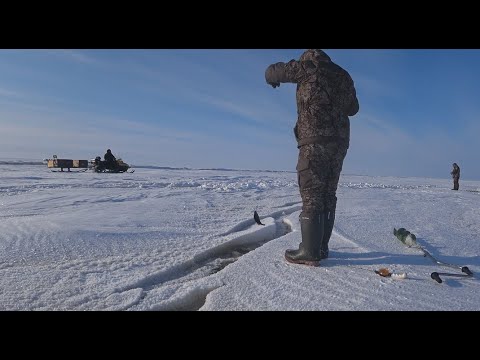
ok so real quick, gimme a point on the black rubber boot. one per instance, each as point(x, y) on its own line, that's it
point(329, 221)
point(309, 252)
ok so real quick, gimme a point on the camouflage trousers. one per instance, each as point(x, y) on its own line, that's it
point(318, 170)
point(456, 184)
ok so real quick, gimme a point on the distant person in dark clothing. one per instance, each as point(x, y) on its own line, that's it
point(456, 176)
point(110, 160)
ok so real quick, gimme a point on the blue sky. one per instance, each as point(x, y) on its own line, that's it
point(213, 109)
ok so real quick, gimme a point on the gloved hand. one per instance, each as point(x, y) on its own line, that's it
point(270, 77)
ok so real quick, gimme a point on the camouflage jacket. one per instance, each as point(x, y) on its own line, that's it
point(455, 172)
point(326, 96)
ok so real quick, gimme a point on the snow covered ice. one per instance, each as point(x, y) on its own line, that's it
point(166, 239)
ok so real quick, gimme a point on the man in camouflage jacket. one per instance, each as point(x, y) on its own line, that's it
point(326, 97)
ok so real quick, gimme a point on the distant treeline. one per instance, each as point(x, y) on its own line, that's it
point(20, 162)
point(36, 162)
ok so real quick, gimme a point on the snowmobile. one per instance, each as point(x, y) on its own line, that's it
point(101, 166)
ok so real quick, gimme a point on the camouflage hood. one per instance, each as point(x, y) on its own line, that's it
point(314, 55)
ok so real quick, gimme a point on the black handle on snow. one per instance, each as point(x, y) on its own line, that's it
point(434, 275)
point(467, 271)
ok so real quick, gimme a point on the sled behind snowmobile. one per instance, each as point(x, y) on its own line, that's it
point(66, 164)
